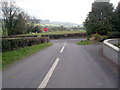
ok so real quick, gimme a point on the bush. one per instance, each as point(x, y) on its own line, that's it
point(97, 37)
point(103, 38)
point(9, 44)
point(114, 35)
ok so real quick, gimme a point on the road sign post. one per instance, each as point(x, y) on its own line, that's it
point(45, 30)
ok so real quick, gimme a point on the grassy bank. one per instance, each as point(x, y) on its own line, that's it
point(86, 42)
point(12, 56)
point(0, 60)
point(0, 31)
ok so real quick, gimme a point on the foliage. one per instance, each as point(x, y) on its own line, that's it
point(9, 12)
point(116, 19)
point(36, 29)
point(54, 33)
point(9, 44)
point(114, 35)
point(118, 45)
point(103, 38)
point(57, 36)
point(97, 37)
point(21, 26)
point(99, 19)
point(14, 36)
point(12, 56)
point(15, 20)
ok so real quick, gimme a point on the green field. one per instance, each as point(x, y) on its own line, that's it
point(15, 55)
point(54, 33)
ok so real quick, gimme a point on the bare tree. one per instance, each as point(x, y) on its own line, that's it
point(9, 12)
point(15, 20)
point(22, 23)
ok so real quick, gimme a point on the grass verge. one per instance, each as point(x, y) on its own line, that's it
point(86, 42)
point(0, 60)
point(118, 45)
point(12, 56)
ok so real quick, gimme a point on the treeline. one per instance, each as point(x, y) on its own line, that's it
point(15, 20)
point(65, 28)
point(103, 19)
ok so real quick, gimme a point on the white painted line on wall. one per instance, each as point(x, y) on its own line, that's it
point(48, 75)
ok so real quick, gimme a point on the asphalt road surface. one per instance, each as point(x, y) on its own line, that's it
point(63, 65)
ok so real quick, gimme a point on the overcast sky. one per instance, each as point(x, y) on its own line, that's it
point(59, 10)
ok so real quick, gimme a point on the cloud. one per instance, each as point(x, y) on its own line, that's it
point(102, 0)
point(58, 10)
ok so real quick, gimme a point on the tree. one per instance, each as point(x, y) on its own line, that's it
point(22, 23)
point(36, 29)
point(15, 21)
point(9, 11)
point(116, 19)
point(99, 19)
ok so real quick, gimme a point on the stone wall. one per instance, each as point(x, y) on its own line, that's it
point(110, 50)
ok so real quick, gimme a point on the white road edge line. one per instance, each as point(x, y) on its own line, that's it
point(48, 75)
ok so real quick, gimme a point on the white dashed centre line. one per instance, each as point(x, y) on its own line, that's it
point(65, 44)
point(48, 75)
point(50, 72)
point(63, 48)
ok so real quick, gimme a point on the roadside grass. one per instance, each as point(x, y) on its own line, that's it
point(0, 32)
point(118, 45)
point(0, 60)
point(53, 33)
point(85, 42)
point(15, 55)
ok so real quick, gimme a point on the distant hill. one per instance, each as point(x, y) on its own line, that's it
point(61, 23)
point(65, 23)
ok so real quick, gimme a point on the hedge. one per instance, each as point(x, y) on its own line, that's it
point(9, 44)
point(53, 36)
point(57, 36)
point(15, 36)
